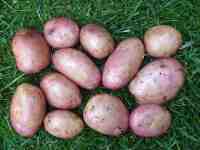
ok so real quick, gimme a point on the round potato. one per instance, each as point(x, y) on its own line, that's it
point(27, 109)
point(63, 124)
point(78, 67)
point(158, 82)
point(96, 40)
point(61, 32)
point(162, 41)
point(31, 51)
point(150, 120)
point(60, 91)
point(123, 63)
point(106, 114)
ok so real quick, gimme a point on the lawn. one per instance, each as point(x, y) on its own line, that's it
point(123, 18)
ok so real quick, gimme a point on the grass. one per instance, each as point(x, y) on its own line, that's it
point(123, 18)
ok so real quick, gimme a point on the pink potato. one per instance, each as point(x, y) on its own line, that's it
point(63, 124)
point(61, 32)
point(158, 82)
point(31, 51)
point(106, 114)
point(27, 109)
point(162, 41)
point(150, 120)
point(96, 40)
point(60, 91)
point(123, 63)
point(78, 67)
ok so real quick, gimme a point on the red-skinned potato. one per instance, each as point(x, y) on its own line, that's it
point(63, 124)
point(61, 32)
point(78, 67)
point(150, 120)
point(60, 91)
point(31, 51)
point(123, 63)
point(162, 41)
point(106, 114)
point(158, 82)
point(96, 40)
point(27, 109)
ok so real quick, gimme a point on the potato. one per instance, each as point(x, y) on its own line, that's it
point(150, 120)
point(61, 32)
point(31, 51)
point(63, 124)
point(106, 114)
point(123, 63)
point(60, 91)
point(158, 82)
point(78, 67)
point(27, 109)
point(96, 40)
point(162, 41)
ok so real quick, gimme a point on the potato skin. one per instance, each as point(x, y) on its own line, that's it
point(78, 67)
point(96, 40)
point(106, 114)
point(150, 120)
point(158, 82)
point(27, 109)
point(31, 51)
point(123, 63)
point(162, 41)
point(63, 124)
point(60, 91)
point(61, 32)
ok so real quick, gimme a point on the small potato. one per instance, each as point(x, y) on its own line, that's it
point(150, 120)
point(158, 82)
point(31, 51)
point(123, 63)
point(96, 40)
point(61, 32)
point(162, 41)
point(60, 91)
point(78, 67)
point(63, 124)
point(106, 114)
point(27, 109)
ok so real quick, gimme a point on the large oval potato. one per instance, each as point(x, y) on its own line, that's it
point(106, 114)
point(60, 91)
point(31, 51)
point(123, 63)
point(96, 40)
point(63, 124)
point(162, 41)
point(78, 67)
point(61, 32)
point(150, 120)
point(158, 82)
point(27, 109)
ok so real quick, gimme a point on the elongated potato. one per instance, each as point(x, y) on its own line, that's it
point(60, 91)
point(123, 64)
point(162, 41)
point(61, 32)
point(106, 114)
point(31, 51)
point(96, 40)
point(63, 124)
point(150, 120)
point(78, 67)
point(158, 82)
point(27, 109)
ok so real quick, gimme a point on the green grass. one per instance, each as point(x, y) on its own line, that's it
point(123, 18)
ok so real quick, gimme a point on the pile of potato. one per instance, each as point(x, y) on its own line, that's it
point(153, 85)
